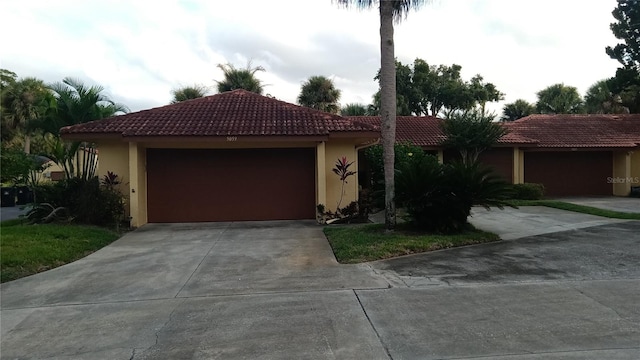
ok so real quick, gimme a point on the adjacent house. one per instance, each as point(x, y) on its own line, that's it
point(572, 155)
point(242, 156)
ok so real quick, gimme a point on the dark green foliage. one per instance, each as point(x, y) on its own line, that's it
point(15, 166)
point(85, 201)
point(320, 93)
point(527, 191)
point(354, 109)
point(437, 90)
point(470, 133)
point(235, 78)
point(559, 99)
point(517, 110)
point(627, 29)
point(375, 177)
point(440, 197)
point(188, 93)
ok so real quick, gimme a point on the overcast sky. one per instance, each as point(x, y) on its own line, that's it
point(140, 50)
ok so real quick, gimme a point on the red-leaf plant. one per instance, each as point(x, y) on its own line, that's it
point(342, 170)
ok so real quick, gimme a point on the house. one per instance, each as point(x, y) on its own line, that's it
point(226, 157)
point(572, 155)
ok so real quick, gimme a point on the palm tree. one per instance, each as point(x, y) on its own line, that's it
point(599, 99)
point(517, 110)
point(23, 102)
point(188, 93)
point(235, 78)
point(354, 109)
point(76, 103)
point(319, 93)
point(390, 11)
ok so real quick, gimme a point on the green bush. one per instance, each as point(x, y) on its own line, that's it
point(85, 201)
point(527, 191)
point(440, 197)
point(374, 181)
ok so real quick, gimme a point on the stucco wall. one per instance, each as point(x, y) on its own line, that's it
point(333, 151)
point(621, 173)
point(114, 157)
point(635, 167)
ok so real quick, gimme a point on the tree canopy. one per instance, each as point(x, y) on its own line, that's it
point(354, 109)
point(424, 89)
point(235, 78)
point(559, 99)
point(188, 92)
point(319, 93)
point(627, 29)
point(600, 99)
point(517, 110)
point(470, 133)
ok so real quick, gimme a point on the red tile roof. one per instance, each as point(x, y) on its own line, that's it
point(425, 130)
point(580, 131)
point(233, 113)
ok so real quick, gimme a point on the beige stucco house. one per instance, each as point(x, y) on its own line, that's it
point(231, 156)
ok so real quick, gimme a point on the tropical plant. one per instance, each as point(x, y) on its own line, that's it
point(470, 133)
point(389, 11)
point(76, 103)
point(188, 93)
point(439, 198)
point(559, 99)
point(627, 29)
point(600, 99)
point(354, 109)
point(517, 110)
point(319, 93)
point(22, 102)
point(235, 78)
point(341, 169)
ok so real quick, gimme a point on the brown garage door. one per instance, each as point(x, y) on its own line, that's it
point(499, 159)
point(228, 185)
point(570, 173)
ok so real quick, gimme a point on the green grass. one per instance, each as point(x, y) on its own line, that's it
point(577, 208)
point(359, 243)
point(29, 249)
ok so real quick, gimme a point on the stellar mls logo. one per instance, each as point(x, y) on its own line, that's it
point(623, 180)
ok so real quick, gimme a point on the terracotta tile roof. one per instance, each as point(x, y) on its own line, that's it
point(233, 113)
point(425, 130)
point(580, 131)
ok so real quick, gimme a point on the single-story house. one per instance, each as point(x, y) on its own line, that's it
point(231, 156)
point(571, 155)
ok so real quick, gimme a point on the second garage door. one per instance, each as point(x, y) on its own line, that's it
point(580, 173)
point(230, 185)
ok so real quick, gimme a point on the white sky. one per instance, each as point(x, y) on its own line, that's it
point(140, 50)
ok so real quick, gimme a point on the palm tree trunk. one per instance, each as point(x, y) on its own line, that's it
point(388, 109)
point(27, 144)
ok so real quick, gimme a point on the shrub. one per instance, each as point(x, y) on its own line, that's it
point(527, 191)
point(85, 201)
point(440, 197)
point(404, 152)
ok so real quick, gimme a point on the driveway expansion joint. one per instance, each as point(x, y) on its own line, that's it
point(384, 346)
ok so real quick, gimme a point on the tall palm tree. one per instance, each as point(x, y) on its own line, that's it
point(23, 103)
point(517, 110)
point(390, 11)
point(76, 103)
point(188, 93)
point(599, 99)
point(235, 78)
point(319, 93)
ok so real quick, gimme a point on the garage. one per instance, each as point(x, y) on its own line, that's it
point(570, 173)
point(197, 185)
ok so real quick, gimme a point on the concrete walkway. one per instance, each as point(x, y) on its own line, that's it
point(615, 203)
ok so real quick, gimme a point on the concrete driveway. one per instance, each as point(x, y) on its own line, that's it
point(225, 290)
point(273, 290)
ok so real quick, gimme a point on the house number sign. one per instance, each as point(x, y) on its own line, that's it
point(232, 138)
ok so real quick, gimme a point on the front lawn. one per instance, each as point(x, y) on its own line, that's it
point(30, 249)
point(359, 243)
point(556, 204)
